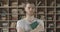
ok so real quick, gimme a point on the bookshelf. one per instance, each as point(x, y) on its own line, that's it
point(13, 10)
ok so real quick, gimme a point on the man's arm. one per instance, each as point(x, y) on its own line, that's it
point(39, 28)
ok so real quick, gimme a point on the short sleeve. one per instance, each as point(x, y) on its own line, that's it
point(19, 24)
point(41, 23)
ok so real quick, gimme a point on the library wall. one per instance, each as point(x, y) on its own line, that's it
point(13, 10)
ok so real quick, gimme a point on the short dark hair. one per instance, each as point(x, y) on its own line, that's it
point(28, 3)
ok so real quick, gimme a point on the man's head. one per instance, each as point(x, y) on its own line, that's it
point(29, 8)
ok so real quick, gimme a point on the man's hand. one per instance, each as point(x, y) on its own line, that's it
point(38, 28)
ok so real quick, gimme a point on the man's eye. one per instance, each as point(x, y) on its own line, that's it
point(28, 7)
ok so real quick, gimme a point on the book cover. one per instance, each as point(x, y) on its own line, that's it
point(34, 25)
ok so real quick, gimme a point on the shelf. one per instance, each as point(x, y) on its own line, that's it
point(13, 10)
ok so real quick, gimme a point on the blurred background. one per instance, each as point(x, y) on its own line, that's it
point(13, 10)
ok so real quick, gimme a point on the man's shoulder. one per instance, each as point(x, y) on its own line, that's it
point(39, 20)
point(21, 20)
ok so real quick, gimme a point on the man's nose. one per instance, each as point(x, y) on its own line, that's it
point(31, 9)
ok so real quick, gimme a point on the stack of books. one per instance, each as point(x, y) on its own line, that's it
point(41, 12)
point(49, 18)
point(3, 18)
point(12, 30)
point(5, 5)
point(5, 24)
point(50, 31)
point(58, 4)
point(14, 4)
point(58, 25)
point(13, 24)
point(58, 11)
point(14, 11)
point(0, 30)
point(50, 12)
point(5, 30)
point(58, 17)
point(0, 3)
point(21, 11)
point(14, 14)
point(52, 3)
point(50, 25)
point(22, 5)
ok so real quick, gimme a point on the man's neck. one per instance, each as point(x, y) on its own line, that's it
point(29, 17)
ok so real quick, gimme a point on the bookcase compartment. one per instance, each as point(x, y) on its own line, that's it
point(40, 11)
point(4, 3)
point(50, 30)
point(50, 11)
point(58, 24)
point(13, 3)
point(50, 24)
point(4, 24)
point(13, 14)
point(40, 3)
point(58, 3)
point(12, 24)
point(12, 30)
point(5, 30)
point(50, 2)
point(0, 30)
point(58, 30)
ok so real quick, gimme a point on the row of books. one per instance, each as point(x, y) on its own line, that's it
point(12, 24)
point(7, 30)
point(50, 30)
point(57, 17)
point(16, 17)
point(50, 25)
point(3, 24)
point(50, 17)
point(39, 3)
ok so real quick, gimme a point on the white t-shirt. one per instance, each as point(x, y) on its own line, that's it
point(24, 24)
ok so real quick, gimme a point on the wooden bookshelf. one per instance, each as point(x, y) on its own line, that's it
point(13, 10)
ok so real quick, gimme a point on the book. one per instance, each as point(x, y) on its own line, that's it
point(34, 25)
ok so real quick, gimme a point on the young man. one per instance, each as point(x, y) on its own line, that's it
point(24, 25)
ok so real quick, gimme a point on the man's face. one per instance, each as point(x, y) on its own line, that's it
point(30, 9)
